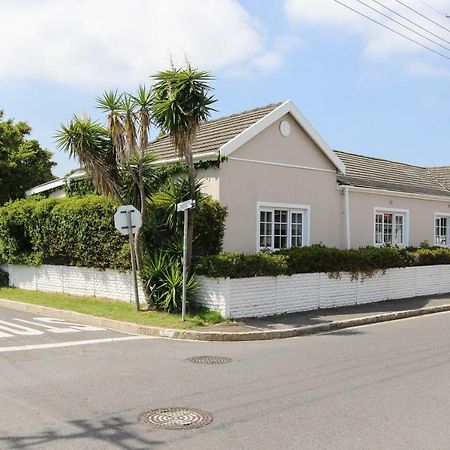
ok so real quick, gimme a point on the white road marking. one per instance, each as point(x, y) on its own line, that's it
point(18, 329)
point(72, 328)
point(20, 348)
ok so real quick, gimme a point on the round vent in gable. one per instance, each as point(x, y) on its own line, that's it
point(285, 128)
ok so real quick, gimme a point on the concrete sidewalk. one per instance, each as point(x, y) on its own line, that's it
point(274, 327)
point(324, 317)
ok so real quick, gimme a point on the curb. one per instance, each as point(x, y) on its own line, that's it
point(133, 328)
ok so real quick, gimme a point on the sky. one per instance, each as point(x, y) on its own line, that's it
point(364, 88)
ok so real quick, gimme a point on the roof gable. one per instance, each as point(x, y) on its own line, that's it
point(273, 116)
point(227, 134)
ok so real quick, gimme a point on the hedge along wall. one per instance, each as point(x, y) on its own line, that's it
point(76, 231)
point(265, 296)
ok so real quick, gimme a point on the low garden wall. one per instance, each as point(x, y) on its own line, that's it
point(265, 296)
point(74, 280)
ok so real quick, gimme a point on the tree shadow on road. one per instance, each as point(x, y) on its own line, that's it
point(115, 432)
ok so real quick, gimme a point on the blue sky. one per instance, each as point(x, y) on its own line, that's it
point(363, 88)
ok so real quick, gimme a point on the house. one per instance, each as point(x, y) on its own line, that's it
point(284, 186)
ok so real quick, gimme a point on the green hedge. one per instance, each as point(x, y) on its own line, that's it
point(316, 258)
point(69, 231)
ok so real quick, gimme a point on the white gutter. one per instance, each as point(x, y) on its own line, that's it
point(196, 156)
point(347, 217)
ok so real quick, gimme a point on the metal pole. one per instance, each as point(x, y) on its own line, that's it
point(183, 300)
point(133, 260)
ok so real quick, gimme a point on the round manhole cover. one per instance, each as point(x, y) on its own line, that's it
point(176, 418)
point(208, 359)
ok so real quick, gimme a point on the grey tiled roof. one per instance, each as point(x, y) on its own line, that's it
point(376, 173)
point(215, 133)
point(442, 174)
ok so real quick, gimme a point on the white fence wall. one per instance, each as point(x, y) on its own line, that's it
point(74, 280)
point(265, 296)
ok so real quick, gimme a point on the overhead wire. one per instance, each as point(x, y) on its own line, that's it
point(422, 15)
point(391, 29)
point(411, 21)
point(403, 25)
point(434, 9)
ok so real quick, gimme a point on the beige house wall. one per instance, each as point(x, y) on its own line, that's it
point(421, 215)
point(210, 181)
point(273, 179)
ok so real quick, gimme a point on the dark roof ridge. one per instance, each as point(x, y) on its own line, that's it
point(381, 159)
point(229, 116)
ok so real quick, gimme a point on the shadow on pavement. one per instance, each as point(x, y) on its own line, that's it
point(111, 433)
point(322, 316)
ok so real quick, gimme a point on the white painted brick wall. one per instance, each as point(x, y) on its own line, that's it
point(74, 280)
point(264, 296)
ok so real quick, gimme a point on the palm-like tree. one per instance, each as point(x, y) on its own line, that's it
point(181, 102)
point(114, 153)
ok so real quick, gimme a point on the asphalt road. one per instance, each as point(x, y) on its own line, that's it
point(384, 386)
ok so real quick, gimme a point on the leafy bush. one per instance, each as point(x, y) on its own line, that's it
point(69, 231)
point(164, 229)
point(162, 275)
point(238, 265)
point(316, 258)
point(4, 278)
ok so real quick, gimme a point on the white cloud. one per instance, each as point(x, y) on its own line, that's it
point(378, 42)
point(111, 42)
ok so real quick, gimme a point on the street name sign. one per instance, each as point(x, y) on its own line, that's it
point(185, 205)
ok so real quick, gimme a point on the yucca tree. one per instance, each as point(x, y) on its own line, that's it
point(181, 101)
point(115, 156)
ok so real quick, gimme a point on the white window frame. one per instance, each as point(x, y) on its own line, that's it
point(393, 211)
point(439, 215)
point(292, 208)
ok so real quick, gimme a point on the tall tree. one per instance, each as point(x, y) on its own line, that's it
point(181, 102)
point(115, 156)
point(23, 162)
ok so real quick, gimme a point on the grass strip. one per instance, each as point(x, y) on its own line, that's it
point(111, 309)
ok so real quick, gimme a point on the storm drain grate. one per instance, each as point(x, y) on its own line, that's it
point(208, 359)
point(176, 418)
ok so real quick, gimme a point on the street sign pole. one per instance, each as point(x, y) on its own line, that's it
point(184, 207)
point(183, 301)
point(133, 259)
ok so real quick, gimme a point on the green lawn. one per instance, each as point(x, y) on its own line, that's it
point(111, 309)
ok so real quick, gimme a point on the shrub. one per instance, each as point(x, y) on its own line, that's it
point(70, 231)
point(238, 265)
point(316, 258)
point(163, 278)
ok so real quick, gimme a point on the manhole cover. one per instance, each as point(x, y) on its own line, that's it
point(208, 359)
point(176, 418)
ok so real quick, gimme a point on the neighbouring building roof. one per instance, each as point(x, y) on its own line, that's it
point(214, 134)
point(377, 173)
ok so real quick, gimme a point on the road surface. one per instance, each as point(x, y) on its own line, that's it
point(66, 386)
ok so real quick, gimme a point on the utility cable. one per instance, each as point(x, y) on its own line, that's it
point(403, 25)
point(391, 29)
point(411, 21)
point(422, 15)
point(434, 9)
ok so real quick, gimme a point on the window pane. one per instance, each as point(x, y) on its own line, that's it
point(280, 230)
point(296, 229)
point(265, 229)
point(398, 229)
point(442, 231)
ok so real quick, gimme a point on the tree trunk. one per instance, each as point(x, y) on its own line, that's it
point(190, 231)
